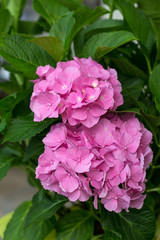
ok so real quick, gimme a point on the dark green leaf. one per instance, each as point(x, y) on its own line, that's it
point(135, 225)
point(24, 55)
point(4, 120)
point(50, 10)
point(127, 68)
point(14, 230)
point(39, 230)
point(24, 127)
point(62, 29)
point(28, 27)
point(72, 4)
point(138, 23)
point(43, 208)
point(154, 84)
point(104, 25)
point(5, 163)
point(111, 235)
point(85, 16)
point(35, 148)
point(52, 45)
point(132, 85)
point(76, 225)
point(5, 21)
point(102, 43)
point(8, 103)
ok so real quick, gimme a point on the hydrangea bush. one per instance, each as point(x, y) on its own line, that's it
point(80, 116)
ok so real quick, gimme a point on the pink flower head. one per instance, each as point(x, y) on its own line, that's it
point(81, 90)
point(107, 161)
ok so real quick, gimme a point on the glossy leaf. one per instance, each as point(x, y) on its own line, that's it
point(103, 43)
point(76, 225)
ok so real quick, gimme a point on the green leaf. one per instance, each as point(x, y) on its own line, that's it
point(138, 23)
point(3, 223)
point(39, 230)
point(35, 148)
point(102, 43)
point(76, 225)
point(52, 45)
point(5, 164)
point(28, 27)
point(85, 16)
point(132, 85)
point(127, 68)
point(24, 127)
point(72, 4)
point(5, 21)
point(8, 103)
point(62, 29)
point(15, 8)
point(154, 84)
point(135, 225)
point(50, 10)
point(51, 235)
point(111, 235)
point(24, 55)
point(104, 25)
point(152, 9)
point(43, 208)
point(14, 228)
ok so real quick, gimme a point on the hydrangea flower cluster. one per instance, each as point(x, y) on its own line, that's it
point(107, 161)
point(80, 90)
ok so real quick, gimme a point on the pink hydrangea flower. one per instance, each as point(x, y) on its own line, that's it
point(107, 161)
point(80, 90)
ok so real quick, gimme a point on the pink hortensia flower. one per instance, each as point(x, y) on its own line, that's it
point(68, 180)
point(56, 136)
point(45, 105)
point(107, 161)
point(79, 159)
point(80, 90)
point(116, 200)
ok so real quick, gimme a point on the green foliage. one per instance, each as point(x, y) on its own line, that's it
point(50, 10)
point(14, 228)
point(103, 43)
point(154, 85)
point(5, 21)
point(24, 127)
point(52, 45)
point(135, 225)
point(65, 27)
point(24, 55)
point(75, 226)
point(43, 208)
